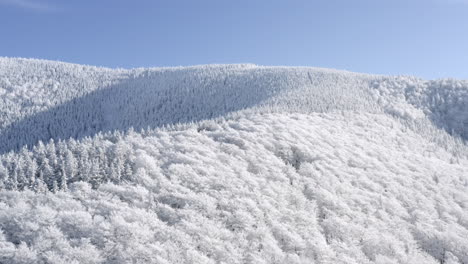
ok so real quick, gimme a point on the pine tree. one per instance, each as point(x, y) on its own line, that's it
point(70, 165)
point(3, 176)
point(96, 172)
point(128, 171)
point(13, 181)
point(48, 173)
point(18, 170)
point(39, 185)
point(55, 187)
point(31, 170)
point(63, 180)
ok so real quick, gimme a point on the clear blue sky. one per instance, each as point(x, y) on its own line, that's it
point(426, 38)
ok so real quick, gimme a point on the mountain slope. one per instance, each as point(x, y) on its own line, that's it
point(65, 100)
point(264, 165)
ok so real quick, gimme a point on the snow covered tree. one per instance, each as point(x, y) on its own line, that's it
point(48, 173)
point(39, 184)
point(70, 166)
point(3, 176)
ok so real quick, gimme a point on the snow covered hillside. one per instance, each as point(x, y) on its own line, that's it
point(230, 164)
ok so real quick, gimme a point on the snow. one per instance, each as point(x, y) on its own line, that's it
point(235, 164)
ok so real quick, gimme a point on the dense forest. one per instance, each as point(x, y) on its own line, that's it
point(230, 164)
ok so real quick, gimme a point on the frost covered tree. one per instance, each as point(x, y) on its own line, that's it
point(70, 165)
point(297, 165)
point(48, 173)
point(3, 176)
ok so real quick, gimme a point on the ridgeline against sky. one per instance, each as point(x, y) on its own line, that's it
point(426, 38)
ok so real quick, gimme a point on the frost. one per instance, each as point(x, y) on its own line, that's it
point(230, 164)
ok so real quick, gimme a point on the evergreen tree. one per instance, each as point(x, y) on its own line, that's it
point(13, 181)
point(31, 170)
point(40, 185)
point(48, 173)
point(70, 166)
point(3, 176)
point(128, 171)
point(55, 187)
point(64, 180)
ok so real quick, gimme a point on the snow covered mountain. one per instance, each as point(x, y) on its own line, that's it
point(230, 164)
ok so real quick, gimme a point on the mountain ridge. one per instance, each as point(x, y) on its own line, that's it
point(230, 164)
point(284, 89)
